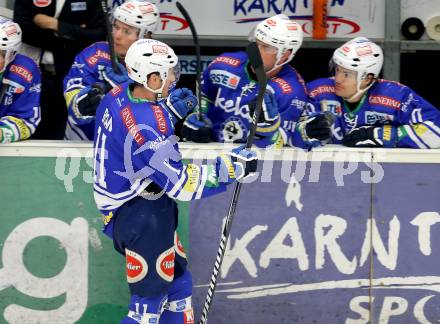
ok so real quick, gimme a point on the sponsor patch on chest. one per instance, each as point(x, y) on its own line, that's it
point(372, 117)
point(224, 78)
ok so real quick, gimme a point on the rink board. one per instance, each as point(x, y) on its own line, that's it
point(300, 248)
point(309, 261)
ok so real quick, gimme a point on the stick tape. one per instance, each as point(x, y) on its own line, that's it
point(413, 28)
point(433, 28)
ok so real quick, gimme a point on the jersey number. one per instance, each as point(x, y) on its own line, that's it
point(100, 158)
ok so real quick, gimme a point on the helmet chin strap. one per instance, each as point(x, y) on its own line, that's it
point(359, 93)
point(277, 65)
point(157, 92)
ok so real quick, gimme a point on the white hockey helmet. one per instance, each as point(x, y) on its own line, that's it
point(140, 14)
point(360, 55)
point(146, 56)
point(280, 32)
point(10, 39)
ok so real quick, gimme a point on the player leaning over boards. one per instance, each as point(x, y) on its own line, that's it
point(229, 91)
point(372, 112)
point(20, 87)
point(91, 75)
point(136, 158)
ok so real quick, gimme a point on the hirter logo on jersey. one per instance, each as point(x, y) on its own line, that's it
point(22, 72)
point(130, 123)
point(160, 119)
point(42, 3)
point(165, 264)
point(385, 101)
point(227, 60)
point(285, 86)
point(178, 246)
point(137, 267)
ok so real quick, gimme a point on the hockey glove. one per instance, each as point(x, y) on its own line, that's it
point(6, 135)
point(114, 79)
point(238, 164)
point(89, 98)
point(371, 136)
point(316, 128)
point(195, 130)
point(245, 162)
point(181, 102)
point(269, 119)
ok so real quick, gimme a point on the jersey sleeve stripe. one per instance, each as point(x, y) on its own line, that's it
point(178, 185)
point(203, 178)
point(409, 130)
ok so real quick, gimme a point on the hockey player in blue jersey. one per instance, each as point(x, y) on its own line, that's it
point(91, 75)
point(372, 112)
point(229, 91)
point(139, 174)
point(20, 87)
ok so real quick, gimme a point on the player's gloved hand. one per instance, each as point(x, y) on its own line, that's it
point(88, 99)
point(114, 79)
point(181, 102)
point(197, 130)
point(240, 163)
point(6, 135)
point(245, 162)
point(269, 119)
point(316, 128)
point(371, 136)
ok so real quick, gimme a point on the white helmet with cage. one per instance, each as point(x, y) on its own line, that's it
point(10, 40)
point(360, 55)
point(146, 56)
point(280, 32)
point(140, 14)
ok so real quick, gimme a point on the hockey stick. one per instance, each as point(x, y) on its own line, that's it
point(255, 59)
point(111, 45)
point(198, 57)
